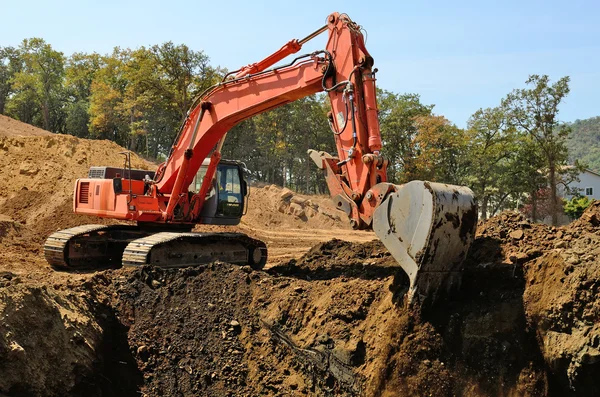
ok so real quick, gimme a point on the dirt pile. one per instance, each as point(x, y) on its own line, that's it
point(195, 331)
point(561, 280)
point(12, 127)
point(476, 344)
point(562, 303)
point(37, 173)
point(276, 207)
point(334, 323)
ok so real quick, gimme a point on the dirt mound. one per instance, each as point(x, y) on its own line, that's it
point(561, 300)
point(270, 335)
point(330, 324)
point(192, 335)
point(12, 127)
point(560, 272)
point(275, 207)
point(476, 344)
point(37, 173)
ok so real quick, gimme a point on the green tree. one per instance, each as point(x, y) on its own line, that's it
point(38, 86)
point(397, 113)
point(9, 65)
point(528, 176)
point(79, 71)
point(184, 74)
point(179, 76)
point(535, 111)
point(440, 151)
point(575, 207)
point(491, 156)
point(107, 91)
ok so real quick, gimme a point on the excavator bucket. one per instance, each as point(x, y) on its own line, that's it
point(428, 228)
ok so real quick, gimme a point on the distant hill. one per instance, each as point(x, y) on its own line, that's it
point(584, 142)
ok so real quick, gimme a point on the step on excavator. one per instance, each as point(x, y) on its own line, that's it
point(427, 227)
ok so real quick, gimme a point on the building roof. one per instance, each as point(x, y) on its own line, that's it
point(591, 172)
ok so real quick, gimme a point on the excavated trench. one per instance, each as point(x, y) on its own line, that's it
point(330, 324)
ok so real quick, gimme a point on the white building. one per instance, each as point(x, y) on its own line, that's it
point(588, 185)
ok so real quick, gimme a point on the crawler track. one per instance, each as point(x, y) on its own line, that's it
point(168, 249)
point(100, 246)
point(89, 246)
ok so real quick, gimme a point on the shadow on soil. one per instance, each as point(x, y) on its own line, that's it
point(484, 330)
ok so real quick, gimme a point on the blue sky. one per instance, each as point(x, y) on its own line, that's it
point(458, 55)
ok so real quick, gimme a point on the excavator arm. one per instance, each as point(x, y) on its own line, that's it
point(427, 227)
point(343, 70)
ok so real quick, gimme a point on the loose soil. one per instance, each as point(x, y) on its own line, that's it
point(326, 317)
point(12, 127)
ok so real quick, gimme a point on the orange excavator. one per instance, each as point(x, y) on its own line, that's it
point(427, 227)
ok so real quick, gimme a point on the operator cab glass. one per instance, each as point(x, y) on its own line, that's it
point(230, 199)
point(226, 197)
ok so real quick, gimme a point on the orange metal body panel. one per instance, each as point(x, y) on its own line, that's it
point(100, 199)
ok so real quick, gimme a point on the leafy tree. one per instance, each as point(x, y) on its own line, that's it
point(576, 206)
point(491, 155)
point(107, 90)
point(397, 113)
point(9, 65)
point(38, 85)
point(179, 76)
point(184, 74)
point(535, 111)
point(440, 149)
point(528, 176)
point(80, 71)
point(24, 104)
point(141, 96)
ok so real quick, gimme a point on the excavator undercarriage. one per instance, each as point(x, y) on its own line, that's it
point(100, 246)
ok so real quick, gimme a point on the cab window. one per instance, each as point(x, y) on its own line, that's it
point(230, 191)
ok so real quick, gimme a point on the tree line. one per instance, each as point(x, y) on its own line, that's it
point(584, 142)
point(511, 155)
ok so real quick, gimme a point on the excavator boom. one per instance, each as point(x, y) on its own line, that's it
point(427, 227)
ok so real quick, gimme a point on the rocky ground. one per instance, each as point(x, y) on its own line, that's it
point(327, 320)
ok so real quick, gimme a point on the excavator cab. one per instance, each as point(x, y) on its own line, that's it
point(226, 200)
